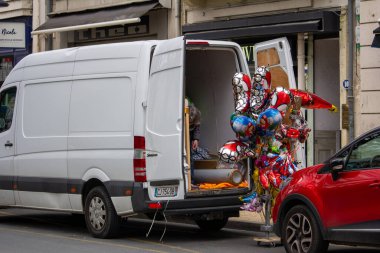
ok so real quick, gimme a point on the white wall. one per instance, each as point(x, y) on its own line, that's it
point(326, 82)
point(16, 8)
point(207, 10)
point(368, 92)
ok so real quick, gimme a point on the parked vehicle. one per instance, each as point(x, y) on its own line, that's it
point(337, 201)
point(98, 130)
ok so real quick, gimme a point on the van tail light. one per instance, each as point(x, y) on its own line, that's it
point(155, 205)
point(139, 162)
point(197, 43)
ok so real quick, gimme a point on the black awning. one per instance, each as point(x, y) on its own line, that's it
point(376, 39)
point(279, 24)
point(98, 16)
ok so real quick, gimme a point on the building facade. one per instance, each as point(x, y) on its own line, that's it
point(153, 22)
point(15, 38)
point(315, 30)
point(367, 90)
point(318, 32)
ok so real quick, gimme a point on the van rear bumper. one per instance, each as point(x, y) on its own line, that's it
point(201, 205)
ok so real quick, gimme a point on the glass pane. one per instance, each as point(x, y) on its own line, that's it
point(7, 103)
point(365, 154)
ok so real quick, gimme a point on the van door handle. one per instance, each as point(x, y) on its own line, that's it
point(8, 144)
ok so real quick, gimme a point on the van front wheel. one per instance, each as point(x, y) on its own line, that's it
point(100, 215)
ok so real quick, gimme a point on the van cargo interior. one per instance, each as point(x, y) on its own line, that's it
point(209, 72)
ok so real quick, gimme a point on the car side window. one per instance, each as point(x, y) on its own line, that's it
point(365, 154)
point(7, 104)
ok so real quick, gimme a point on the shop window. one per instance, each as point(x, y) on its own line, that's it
point(6, 65)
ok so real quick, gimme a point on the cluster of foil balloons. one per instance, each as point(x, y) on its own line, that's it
point(269, 126)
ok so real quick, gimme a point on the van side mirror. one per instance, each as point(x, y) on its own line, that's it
point(336, 166)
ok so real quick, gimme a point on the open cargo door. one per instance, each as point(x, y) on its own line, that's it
point(276, 55)
point(164, 120)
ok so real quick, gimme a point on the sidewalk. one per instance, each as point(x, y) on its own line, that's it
point(250, 221)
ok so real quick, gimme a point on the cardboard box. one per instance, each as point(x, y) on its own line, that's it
point(205, 164)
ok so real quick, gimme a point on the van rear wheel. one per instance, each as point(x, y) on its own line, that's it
point(100, 215)
point(211, 225)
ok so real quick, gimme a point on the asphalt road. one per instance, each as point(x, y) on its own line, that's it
point(32, 231)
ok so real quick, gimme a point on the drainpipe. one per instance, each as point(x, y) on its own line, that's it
point(178, 17)
point(350, 69)
point(49, 37)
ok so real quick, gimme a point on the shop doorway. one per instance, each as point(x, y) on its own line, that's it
point(326, 85)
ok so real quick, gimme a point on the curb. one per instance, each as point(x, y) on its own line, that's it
point(241, 225)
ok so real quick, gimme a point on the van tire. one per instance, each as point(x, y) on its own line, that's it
point(101, 218)
point(211, 225)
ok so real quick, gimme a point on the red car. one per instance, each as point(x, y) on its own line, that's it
point(337, 201)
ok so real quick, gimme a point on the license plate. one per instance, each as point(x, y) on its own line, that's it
point(166, 191)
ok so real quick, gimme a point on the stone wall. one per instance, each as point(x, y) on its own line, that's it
point(368, 91)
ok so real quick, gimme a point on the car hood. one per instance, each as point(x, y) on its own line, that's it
point(309, 170)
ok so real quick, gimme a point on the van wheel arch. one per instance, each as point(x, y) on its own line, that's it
point(88, 186)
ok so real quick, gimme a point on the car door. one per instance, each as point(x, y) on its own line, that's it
point(7, 148)
point(352, 199)
point(164, 117)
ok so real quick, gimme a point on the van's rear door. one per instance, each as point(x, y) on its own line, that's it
point(276, 55)
point(164, 120)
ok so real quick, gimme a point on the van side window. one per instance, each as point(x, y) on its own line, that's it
point(7, 104)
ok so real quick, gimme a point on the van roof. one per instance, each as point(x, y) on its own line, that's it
point(68, 55)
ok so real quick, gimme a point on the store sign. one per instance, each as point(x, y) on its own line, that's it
point(249, 52)
point(102, 33)
point(12, 35)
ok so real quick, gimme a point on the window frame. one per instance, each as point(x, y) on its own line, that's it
point(355, 146)
point(14, 107)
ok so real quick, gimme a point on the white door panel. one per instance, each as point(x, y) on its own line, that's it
point(41, 144)
point(164, 112)
point(276, 55)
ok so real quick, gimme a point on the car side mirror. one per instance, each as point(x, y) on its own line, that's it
point(336, 166)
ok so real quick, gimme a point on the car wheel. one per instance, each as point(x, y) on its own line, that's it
point(100, 215)
point(211, 225)
point(301, 233)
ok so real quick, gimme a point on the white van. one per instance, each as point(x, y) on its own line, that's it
point(98, 130)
